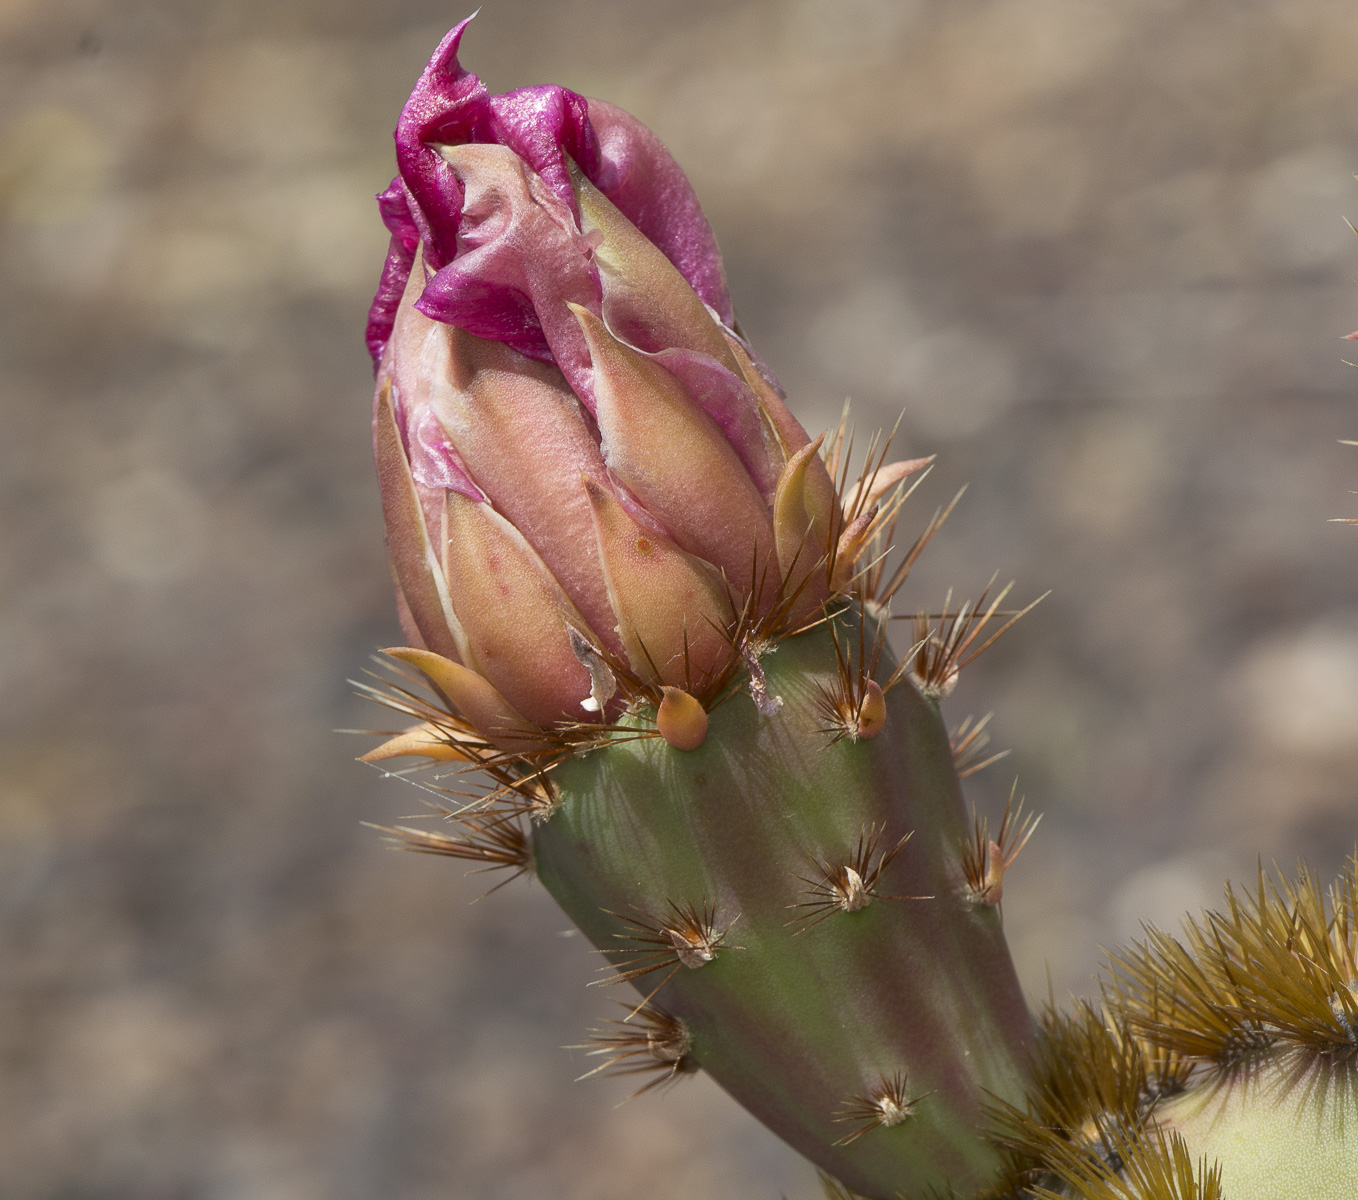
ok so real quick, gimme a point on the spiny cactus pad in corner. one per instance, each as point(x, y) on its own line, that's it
point(646, 606)
point(1222, 1064)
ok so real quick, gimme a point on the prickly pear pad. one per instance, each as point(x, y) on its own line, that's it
point(801, 905)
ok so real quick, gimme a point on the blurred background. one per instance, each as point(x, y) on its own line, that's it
point(1095, 251)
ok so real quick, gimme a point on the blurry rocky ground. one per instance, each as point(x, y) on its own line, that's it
point(1094, 250)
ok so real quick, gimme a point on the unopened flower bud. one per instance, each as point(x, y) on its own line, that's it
point(584, 469)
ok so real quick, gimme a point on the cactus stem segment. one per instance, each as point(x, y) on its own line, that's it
point(796, 1024)
point(1294, 996)
point(1151, 1166)
point(651, 1041)
point(1233, 1046)
point(884, 1106)
point(986, 859)
point(848, 886)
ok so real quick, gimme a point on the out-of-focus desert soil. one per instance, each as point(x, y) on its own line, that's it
point(1094, 250)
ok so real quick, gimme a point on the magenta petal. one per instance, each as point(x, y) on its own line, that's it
point(521, 259)
point(542, 125)
point(382, 313)
point(394, 207)
point(395, 210)
point(731, 403)
point(459, 296)
point(448, 105)
point(641, 177)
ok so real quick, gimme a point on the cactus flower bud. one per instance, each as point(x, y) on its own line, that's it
point(581, 462)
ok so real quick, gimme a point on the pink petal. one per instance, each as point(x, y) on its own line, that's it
point(731, 403)
point(641, 177)
point(414, 563)
point(525, 443)
point(514, 616)
point(544, 127)
point(518, 246)
point(671, 608)
point(676, 461)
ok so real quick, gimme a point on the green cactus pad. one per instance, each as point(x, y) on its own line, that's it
point(1276, 1136)
point(871, 1036)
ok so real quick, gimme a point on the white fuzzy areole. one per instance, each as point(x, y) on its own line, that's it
point(1274, 1143)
